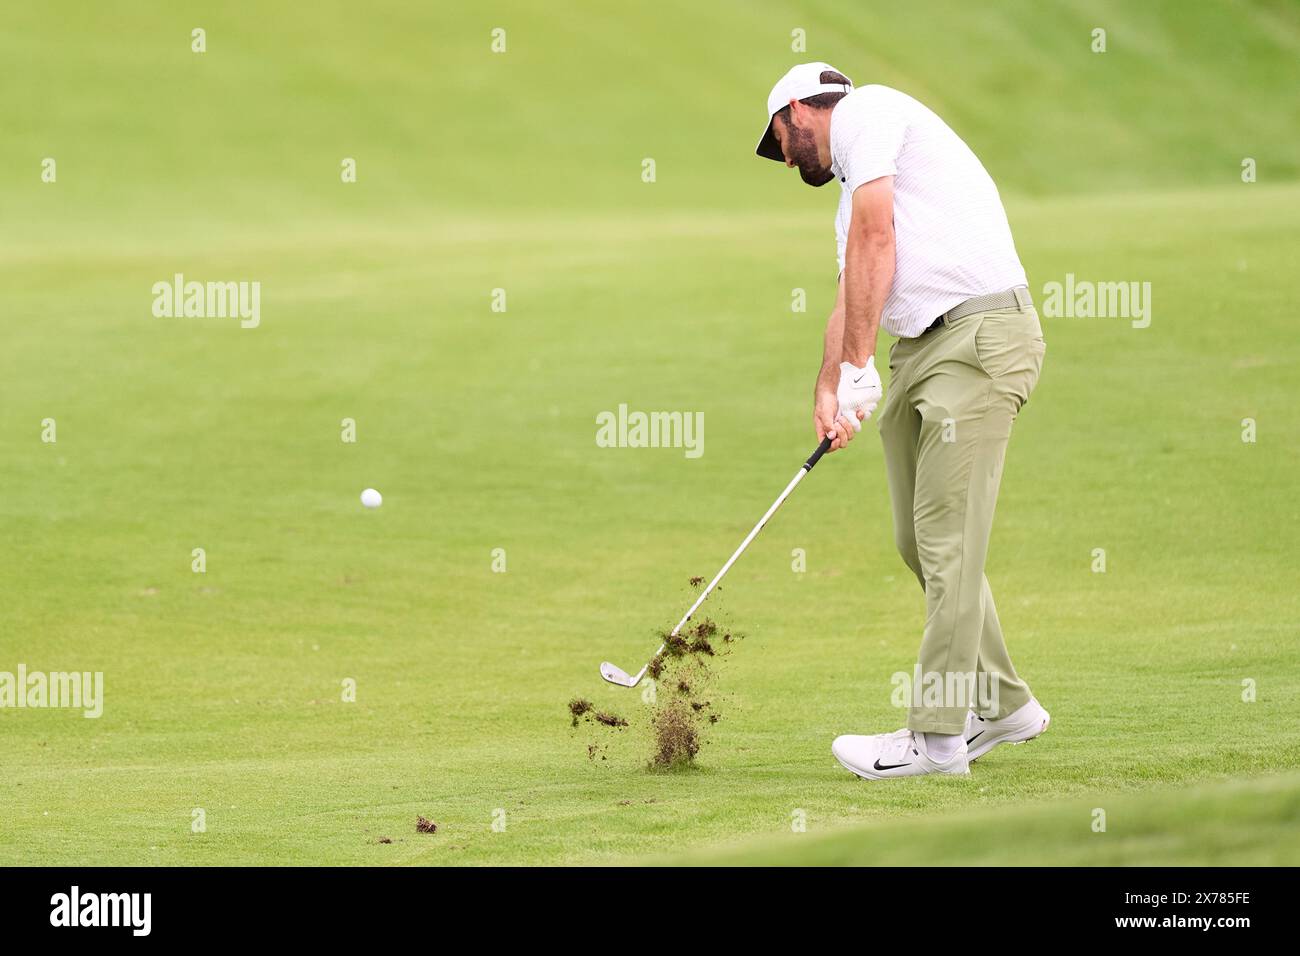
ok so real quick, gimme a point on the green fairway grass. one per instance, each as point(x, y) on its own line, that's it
point(1172, 678)
point(1255, 822)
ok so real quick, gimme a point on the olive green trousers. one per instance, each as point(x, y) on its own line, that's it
point(954, 393)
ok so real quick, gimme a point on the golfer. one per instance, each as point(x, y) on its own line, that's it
point(926, 251)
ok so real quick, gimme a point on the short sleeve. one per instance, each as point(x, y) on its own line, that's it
point(869, 128)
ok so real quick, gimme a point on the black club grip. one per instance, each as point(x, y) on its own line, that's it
point(815, 457)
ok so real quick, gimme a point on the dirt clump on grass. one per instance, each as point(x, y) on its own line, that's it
point(581, 709)
point(691, 640)
point(676, 645)
point(678, 718)
point(578, 707)
point(681, 697)
point(676, 736)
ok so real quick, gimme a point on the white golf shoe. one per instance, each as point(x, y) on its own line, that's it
point(900, 754)
point(1026, 723)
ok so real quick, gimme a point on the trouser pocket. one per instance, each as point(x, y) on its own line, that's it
point(1009, 347)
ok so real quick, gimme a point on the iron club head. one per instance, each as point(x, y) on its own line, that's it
point(616, 675)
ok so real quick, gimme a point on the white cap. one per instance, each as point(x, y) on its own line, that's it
point(801, 82)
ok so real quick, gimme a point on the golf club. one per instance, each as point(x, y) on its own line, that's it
point(616, 675)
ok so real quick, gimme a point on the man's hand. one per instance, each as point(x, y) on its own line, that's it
point(859, 392)
point(828, 421)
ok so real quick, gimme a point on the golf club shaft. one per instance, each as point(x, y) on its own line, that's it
point(803, 470)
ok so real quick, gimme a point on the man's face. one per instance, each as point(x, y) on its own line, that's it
point(799, 146)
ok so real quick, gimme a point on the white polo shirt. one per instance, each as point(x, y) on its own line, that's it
point(951, 236)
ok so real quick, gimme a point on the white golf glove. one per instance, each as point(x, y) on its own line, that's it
point(859, 389)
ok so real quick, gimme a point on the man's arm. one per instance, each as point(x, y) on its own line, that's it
point(824, 401)
point(864, 287)
point(834, 344)
point(868, 270)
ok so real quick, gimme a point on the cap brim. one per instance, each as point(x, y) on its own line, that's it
point(768, 147)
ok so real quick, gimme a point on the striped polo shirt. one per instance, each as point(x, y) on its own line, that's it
point(951, 236)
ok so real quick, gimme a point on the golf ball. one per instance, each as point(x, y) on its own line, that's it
point(371, 498)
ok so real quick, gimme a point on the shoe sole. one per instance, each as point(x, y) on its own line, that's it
point(1013, 738)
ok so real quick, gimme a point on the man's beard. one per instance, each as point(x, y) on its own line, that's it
point(803, 150)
